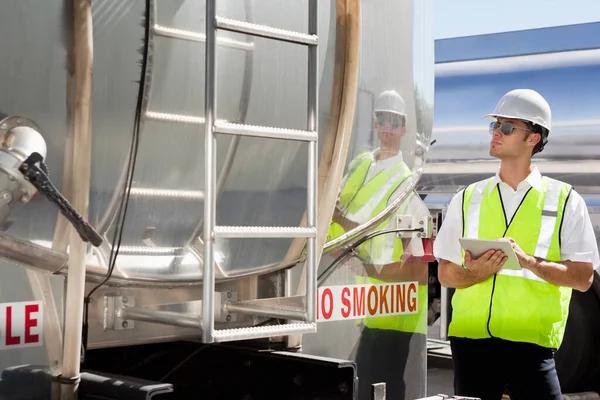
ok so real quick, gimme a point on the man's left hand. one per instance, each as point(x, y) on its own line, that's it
point(525, 259)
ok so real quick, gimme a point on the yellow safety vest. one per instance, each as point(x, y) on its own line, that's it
point(514, 305)
point(354, 195)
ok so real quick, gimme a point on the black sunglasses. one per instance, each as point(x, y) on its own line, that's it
point(505, 127)
point(393, 120)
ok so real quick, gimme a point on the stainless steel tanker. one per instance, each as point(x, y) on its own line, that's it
point(472, 73)
point(207, 158)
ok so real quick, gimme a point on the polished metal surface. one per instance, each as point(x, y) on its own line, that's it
point(397, 56)
point(258, 182)
point(165, 207)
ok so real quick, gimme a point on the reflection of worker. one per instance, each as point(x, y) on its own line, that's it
point(373, 181)
point(508, 323)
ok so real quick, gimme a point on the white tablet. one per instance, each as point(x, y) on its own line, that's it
point(478, 247)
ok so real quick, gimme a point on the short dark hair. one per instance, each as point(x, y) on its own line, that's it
point(539, 147)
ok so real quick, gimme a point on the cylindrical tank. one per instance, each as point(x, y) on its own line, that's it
point(259, 82)
point(365, 49)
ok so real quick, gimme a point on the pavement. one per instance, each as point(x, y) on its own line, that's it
point(439, 376)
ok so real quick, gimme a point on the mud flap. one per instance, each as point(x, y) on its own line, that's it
point(33, 382)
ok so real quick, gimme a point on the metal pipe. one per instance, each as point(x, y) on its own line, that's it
point(256, 310)
point(160, 317)
point(31, 255)
point(311, 190)
point(209, 175)
point(81, 142)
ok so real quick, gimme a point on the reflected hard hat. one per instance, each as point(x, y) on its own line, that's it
point(390, 101)
point(524, 104)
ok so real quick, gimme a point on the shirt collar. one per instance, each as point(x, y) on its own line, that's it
point(393, 159)
point(534, 180)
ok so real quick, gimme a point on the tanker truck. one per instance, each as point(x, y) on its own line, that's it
point(169, 174)
point(471, 74)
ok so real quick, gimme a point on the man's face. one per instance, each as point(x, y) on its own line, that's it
point(390, 127)
point(511, 138)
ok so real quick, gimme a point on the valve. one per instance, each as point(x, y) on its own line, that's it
point(23, 173)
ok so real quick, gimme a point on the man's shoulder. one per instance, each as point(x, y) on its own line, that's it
point(481, 184)
point(558, 182)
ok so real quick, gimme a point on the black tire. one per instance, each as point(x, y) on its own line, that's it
point(578, 359)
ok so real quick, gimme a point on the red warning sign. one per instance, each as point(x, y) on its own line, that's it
point(21, 324)
point(335, 303)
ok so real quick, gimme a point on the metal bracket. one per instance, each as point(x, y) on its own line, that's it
point(120, 311)
point(379, 391)
point(112, 313)
point(409, 222)
point(221, 301)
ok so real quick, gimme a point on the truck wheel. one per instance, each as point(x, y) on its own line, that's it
point(578, 359)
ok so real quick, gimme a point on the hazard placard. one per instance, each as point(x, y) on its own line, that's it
point(346, 302)
point(21, 324)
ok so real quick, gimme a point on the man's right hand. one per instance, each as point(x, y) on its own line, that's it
point(486, 265)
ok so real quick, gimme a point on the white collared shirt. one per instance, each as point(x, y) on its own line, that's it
point(578, 241)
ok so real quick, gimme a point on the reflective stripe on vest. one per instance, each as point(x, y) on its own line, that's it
point(514, 305)
point(357, 194)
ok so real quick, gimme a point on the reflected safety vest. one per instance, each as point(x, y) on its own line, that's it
point(412, 323)
point(514, 305)
point(355, 195)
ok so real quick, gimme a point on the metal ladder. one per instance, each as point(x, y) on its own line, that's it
point(213, 127)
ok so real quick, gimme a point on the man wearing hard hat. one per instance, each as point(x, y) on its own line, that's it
point(374, 179)
point(506, 324)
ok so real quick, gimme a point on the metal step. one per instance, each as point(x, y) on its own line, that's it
point(168, 117)
point(265, 31)
point(264, 232)
point(197, 37)
point(229, 128)
point(259, 332)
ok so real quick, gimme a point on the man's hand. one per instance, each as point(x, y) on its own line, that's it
point(526, 261)
point(486, 265)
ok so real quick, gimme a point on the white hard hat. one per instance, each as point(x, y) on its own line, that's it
point(390, 101)
point(524, 104)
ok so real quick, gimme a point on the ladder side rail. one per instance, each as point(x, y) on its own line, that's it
point(313, 164)
point(210, 83)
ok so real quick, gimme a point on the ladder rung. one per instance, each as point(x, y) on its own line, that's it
point(167, 193)
point(173, 33)
point(167, 117)
point(149, 250)
point(264, 232)
point(263, 131)
point(265, 31)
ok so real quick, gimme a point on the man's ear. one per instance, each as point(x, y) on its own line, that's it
point(534, 139)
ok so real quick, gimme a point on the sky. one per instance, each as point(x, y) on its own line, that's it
point(453, 18)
